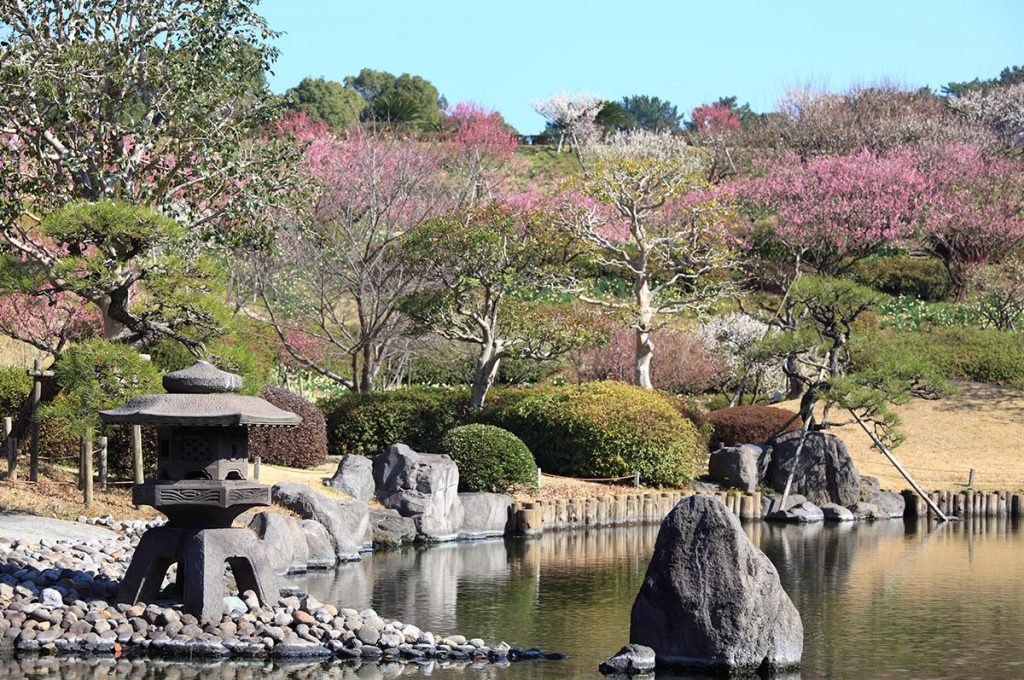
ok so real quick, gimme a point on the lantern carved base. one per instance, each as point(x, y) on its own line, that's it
point(200, 555)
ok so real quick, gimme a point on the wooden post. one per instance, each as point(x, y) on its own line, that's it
point(37, 373)
point(87, 465)
point(970, 479)
point(8, 451)
point(137, 453)
point(12, 459)
point(256, 468)
point(540, 478)
point(103, 462)
point(636, 479)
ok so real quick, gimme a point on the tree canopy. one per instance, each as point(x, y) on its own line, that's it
point(403, 100)
point(327, 101)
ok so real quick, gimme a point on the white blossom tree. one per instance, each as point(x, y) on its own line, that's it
point(635, 210)
point(572, 115)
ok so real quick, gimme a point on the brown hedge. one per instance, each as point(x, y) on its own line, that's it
point(303, 446)
point(749, 424)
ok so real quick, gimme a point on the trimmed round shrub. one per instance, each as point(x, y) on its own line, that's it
point(604, 429)
point(366, 424)
point(696, 413)
point(489, 459)
point(302, 446)
point(749, 424)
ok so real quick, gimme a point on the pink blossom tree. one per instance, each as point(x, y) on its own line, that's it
point(716, 129)
point(974, 214)
point(480, 145)
point(830, 211)
point(48, 321)
point(332, 286)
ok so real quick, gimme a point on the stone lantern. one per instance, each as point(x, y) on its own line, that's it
point(202, 485)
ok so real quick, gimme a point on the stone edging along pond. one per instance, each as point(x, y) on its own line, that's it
point(56, 597)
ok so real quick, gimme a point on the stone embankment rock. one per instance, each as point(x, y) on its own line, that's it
point(824, 471)
point(56, 598)
point(423, 486)
point(347, 522)
point(354, 477)
point(738, 467)
point(711, 599)
point(486, 515)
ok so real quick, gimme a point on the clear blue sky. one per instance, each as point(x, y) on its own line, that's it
point(506, 55)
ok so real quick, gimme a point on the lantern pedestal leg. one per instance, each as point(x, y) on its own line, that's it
point(200, 554)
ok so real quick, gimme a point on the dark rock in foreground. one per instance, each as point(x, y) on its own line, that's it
point(711, 599)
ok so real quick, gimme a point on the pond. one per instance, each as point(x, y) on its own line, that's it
point(889, 599)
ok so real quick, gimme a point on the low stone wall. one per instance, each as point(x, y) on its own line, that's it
point(964, 503)
point(532, 518)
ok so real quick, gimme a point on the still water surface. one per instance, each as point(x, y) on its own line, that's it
point(877, 600)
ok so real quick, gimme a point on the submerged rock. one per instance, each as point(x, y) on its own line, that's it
point(711, 599)
point(630, 660)
point(836, 513)
point(804, 512)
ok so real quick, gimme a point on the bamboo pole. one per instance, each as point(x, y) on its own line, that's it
point(892, 459)
point(137, 453)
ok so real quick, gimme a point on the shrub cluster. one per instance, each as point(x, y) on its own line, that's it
point(366, 424)
point(602, 429)
point(302, 446)
point(752, 424)
point(959, 353)
point(924, 278)
point(489, 459)
point(15, 385)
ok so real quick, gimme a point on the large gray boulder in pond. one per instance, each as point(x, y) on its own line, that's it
point(711, 599)
point(824, 471)
point(805, 512)
point(737, 467)
point(347, 522)
point(424, 486)
point(354, 477)
point(487, 514)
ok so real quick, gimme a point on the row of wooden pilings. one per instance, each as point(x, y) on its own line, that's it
point(534, 517)
point(964, 503)
point(531, 518)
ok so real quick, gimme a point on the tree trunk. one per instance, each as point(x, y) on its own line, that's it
point(484, 375)
point(370, 369)
point(796, 387)
point(644, 346)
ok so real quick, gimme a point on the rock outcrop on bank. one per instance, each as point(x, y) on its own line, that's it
point(423, 486)
point(711, 599)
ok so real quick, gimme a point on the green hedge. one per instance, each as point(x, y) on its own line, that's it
point(15, 386)
point(923, 278)
point(987, 356)
point(602, 429)
point(367, 424)
point(489, 459)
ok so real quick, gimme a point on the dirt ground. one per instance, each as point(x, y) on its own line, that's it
point(980, 427)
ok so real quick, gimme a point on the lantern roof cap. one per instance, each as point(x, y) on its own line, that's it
point(202, 377)
point(201, 395)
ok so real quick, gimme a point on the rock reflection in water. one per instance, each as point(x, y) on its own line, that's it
point(882, 599)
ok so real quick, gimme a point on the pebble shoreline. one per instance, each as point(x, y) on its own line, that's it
point(56, 597)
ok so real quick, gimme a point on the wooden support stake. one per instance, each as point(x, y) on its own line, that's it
point(970, 479)
point(636, 479)
point(137, 453)
point(892, 459)
point(8, 451)
point(103, 462)
point(12, 459)
point(87, 466)
point(37, 373)
point(256, 468)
